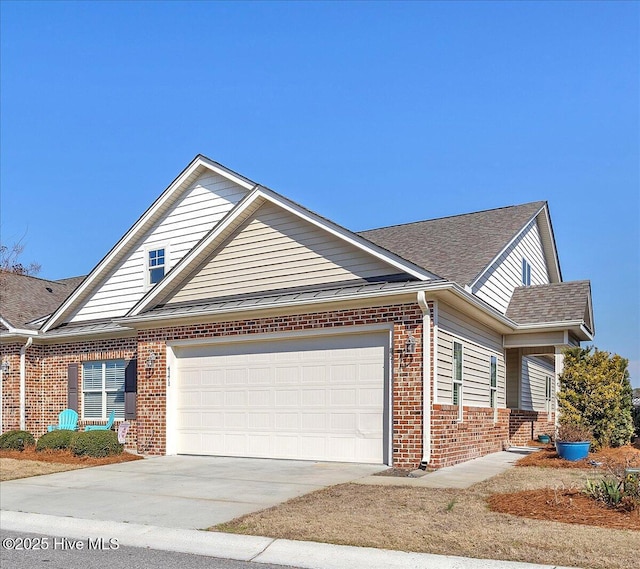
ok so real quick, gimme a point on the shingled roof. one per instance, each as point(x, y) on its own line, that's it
point(557, 302)
point(457, 248)
point(24, 298)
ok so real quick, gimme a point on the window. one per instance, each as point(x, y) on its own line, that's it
point(494, 381)
point(526, 272)
point(156, 265)
point(457, 377)
point(548, 393)
point(103, 389)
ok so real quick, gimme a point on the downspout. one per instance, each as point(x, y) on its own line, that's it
point(23, 383)
point(426, 380)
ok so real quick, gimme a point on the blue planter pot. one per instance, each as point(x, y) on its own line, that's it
point(573, 451)
point(544, 439)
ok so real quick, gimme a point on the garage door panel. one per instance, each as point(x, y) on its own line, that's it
point(320, 398)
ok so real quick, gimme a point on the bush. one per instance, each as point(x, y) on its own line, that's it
point(16, 440)
point(571, 433)
point(55, 440)
point(636, 420)
point(595, 392)
point(96, 444)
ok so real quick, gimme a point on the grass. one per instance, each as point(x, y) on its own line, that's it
point(12, 468)
point(448, 522)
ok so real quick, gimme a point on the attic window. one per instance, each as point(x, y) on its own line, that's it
point(526, 272)
point(156, 265)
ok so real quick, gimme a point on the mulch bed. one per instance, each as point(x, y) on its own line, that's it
point(548, 458)
point(571, 505)
point(567, 506)
point(66, 457)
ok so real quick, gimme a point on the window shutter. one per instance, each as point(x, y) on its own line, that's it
point(72, 386)
point(130, 389)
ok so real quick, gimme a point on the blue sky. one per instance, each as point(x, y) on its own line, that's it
point(368, 113)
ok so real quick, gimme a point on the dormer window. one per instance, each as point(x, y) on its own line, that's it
point(526, 272)
point(156, 265)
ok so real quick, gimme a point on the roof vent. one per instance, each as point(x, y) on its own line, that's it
point(49, 289)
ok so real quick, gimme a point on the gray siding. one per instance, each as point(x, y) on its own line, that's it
point(274, 250)
point(479, 343)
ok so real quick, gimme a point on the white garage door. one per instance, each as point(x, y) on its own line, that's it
point(320, 398)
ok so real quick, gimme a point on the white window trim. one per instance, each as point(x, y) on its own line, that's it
point(548, 393)
point(459, 382)
point(526, 272)
point(148, 285)
point(103, 390)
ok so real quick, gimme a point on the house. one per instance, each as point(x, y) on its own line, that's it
point(229, 320)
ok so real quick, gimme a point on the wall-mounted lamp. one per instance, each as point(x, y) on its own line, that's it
point(151, 360)
point(410, 346)
point(4, 366)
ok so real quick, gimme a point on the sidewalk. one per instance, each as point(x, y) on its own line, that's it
point(459, 476)
point(304, 554)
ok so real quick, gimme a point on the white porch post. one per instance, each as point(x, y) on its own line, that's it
point(559, 367)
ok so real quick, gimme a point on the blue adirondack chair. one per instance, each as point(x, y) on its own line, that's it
point(67, 421)
point(106, 427)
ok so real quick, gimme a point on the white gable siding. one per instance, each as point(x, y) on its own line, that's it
point(195, 213)
point(478, 345)
point(533, 384)
point(276, 250)
point(496, 287)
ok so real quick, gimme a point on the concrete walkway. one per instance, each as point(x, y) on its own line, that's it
point(461, 475)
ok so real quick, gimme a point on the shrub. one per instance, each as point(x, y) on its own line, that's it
point(636, 420)
point(96, 443)
point(16, 440)
point(595, 392)
point(55, 440)
point(572, 433)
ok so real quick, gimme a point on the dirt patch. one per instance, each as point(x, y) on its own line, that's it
point(609, 457)
point(15, 464)
point(561, 505)
point(447, 522)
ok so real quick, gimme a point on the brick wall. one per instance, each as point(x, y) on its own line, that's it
point(525, 426)
point(407, 387)
point(478, 434)
point(11, 387)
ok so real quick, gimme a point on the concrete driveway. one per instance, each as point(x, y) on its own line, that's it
point(192, 492)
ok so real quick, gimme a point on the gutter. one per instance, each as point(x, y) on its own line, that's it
point(23, 383)
point(426, 381)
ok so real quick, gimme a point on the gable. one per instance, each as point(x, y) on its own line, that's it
point(505, 274)
point(274, 249)
point(193, 213)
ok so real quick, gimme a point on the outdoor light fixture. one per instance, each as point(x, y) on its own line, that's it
point(151, 360)
point(410, 346)
point(4, 366)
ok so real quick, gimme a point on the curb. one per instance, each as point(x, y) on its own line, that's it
point(308, 555)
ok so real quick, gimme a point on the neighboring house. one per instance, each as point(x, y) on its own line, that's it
point(230, 320)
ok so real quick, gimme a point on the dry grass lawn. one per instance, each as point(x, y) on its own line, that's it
point(23, 464)
point(451, 522)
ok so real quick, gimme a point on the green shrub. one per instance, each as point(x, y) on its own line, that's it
point(96, 443)
point(55, 440)
point(636, 420)
point(595, 392)
point(16, 440)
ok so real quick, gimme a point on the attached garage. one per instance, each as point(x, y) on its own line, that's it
point(311, 398)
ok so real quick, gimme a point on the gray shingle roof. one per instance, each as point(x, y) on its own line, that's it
point(456, 248)
point(24, 299)
point(557, 302)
